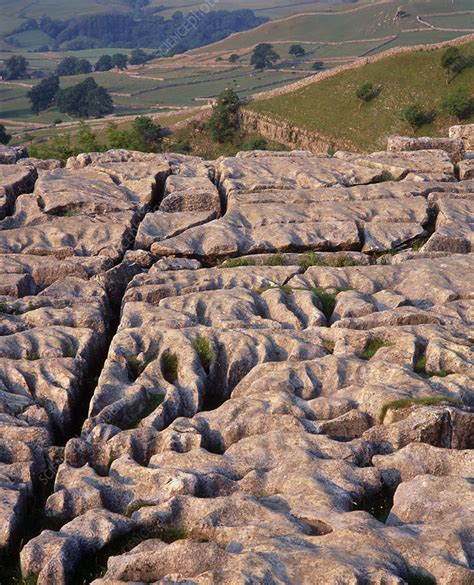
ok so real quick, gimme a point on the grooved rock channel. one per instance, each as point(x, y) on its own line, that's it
point(257, 370)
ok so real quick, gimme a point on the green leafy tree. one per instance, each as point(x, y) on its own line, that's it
point(264, 56)
point(104, 63)
point(43, 95)
point(234, 58)
point(117, 137)
point(4, 136)
point(59, 147)
point(85, 100)
point(416, 116)
point(138, 57)
point(296, 51)
point(224, 120)
point(120, 61)
point(83, 67)
point(317, 66)
point(16, 67)
point(68, 66)
point(459, 104)
point(147, 135)
point(86, 139)
point(452, 62)
point(366, 92)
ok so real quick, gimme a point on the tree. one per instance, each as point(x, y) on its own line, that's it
point(16, 67)
point(234, 58)
point(147, 135)
point(317, 66)
point(367, 92)
point(459, 104)
point(85, 100)
point(43, 95)
point(296, 51)
point(104, 63)
point(416, 116)
point(120, 60)
point(4, 137)
point(138, 57)
point(224, 121)
point(83, 67)
point(73, 66)
point(451, 61)
point(264, 56)
point(86, 139)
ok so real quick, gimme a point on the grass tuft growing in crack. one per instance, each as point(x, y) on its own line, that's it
point(339, 261)
point(372, 348)
point(328, 301)
point(420, 369)
point(423, 401)
point(7, 310)
point(237, 262)
point(136, 367)
point(33, 356)
point(169, 367)
point(202, 346)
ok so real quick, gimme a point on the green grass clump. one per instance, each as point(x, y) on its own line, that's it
point(419, 579)
point(328, 301)
point(420, 369)
point(276, 260)
point(137, 367)
point(338, 261)
point(202, 347)
point(33, 356)
point(424, 401)
point(385, 176)
point(169, 367)
point(71, 351)
point(372, 348)
point(237, 262)
point(7, 310)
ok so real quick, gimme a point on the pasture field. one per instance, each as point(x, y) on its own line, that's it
point(331, 108)
point(180, 87)
point(368, 22)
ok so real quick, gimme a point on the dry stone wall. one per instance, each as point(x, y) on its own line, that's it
point(252, 370)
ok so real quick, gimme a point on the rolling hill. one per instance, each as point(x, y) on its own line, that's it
point(330, 108)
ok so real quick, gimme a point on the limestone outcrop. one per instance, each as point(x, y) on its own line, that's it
point(253, 370)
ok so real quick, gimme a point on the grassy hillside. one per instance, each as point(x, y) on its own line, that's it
point(362, 24)
point(331, 108)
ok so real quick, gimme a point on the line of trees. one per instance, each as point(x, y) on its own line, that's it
point(126, 30)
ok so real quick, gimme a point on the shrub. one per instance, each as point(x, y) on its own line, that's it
point(416, 116)
point(367, 92)
point(459, 104)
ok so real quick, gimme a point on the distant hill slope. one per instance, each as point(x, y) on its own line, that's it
point(357, 29)
point(331, 109)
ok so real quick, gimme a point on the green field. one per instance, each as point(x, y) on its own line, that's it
point(369, 22)
point(330, 107)
point(138, 95)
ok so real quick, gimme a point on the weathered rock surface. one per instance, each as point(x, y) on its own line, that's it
point(453, 146)
point(258, 370)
